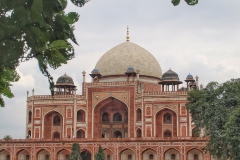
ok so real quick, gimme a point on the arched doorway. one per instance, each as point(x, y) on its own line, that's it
point(80, 133)
point(110, 115)
point(127, 155)
point(149, 154)
point(172, 154)
point(23, 155)
point(43, 155)
point(166, 118)
point(195, 154)
point(63, 154)
point(53, 123)
point(86, 155)
point(4, 155)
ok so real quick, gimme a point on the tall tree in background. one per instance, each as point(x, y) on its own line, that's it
point(100, 154)
point(216, 110)
point(75, 154)
point(37, 29)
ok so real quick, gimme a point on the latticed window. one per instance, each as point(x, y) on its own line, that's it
point(173, 156)
point(56, 120)
point(195, 157)
point(151, 157)
point(167, 118)
point(105, 117)
point(117, 117)
point(167, 134)
point(129, 157)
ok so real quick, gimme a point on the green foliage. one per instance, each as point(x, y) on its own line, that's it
point(189, 2)
point(37, 29)
point(7, 137)
point(100, 154)
point(75, 154)
point(213, 109)
point(233, 134)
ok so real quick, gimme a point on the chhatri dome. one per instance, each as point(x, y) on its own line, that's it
point(117, 60)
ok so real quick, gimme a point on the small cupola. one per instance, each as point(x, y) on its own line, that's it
point(64, 85)
point(170, 78)
point(95, 74)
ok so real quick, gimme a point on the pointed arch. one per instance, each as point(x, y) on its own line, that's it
point(118, 114)
point(23, 155)
point(149, 154)
point(117, 117)
point(5, 154)
point(139, 133)
point(56, 135)
point(86, 154)
point(80, 133)
point(108, 154)
point(81, 116)
point(43, 154)
point(195, 154)
point(172, 154)
point(30, 117)
point(117, 134)
point(139, 114)
point(63, 154)
point(168, 115)
point(127, 154)
point(53, 121)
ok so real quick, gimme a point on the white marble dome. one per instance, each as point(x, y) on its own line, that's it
point(117, 60)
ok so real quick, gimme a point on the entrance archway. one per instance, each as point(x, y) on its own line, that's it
point(110, 115)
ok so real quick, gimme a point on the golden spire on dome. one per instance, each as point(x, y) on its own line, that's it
point(127, 37)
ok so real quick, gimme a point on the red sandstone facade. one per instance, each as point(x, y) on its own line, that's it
point(132, 116)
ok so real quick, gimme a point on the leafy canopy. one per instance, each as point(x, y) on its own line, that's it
point(37, 29)
point(216, 109)
point(189, 2)
point(7, 137)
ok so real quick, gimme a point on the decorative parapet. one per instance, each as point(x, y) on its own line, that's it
point(184, 93)
point(54, 97)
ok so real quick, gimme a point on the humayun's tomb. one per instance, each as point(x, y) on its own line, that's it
point(130, 109)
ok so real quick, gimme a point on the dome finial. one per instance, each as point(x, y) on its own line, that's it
point(127, 37)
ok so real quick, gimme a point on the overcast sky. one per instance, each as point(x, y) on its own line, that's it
point(203, 40)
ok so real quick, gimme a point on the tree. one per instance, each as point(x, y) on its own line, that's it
point(75, 154)
point(189, 2)
point(7, 137)
point(37, 29)
point(100, 154)
point(233, 134)
point(213, 109)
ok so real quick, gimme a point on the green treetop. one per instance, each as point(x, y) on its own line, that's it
point(216, 110)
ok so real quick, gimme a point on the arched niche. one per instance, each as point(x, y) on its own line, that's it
point(4, 155)
point(108, 154)
point(172, 154)
point(43, 155)
point(139, 114)
point(53, 122)
point(29, 116)
point(149, 154)
point(138, 133)
point(110, 114)
point(56, 135)
point(117, 134)
point(80, 133)
point(81, 116)
point(23, 155)
point(127, 154)
point(195, 154)
point(63, 154)
point(166, 118)
point(85, 154)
